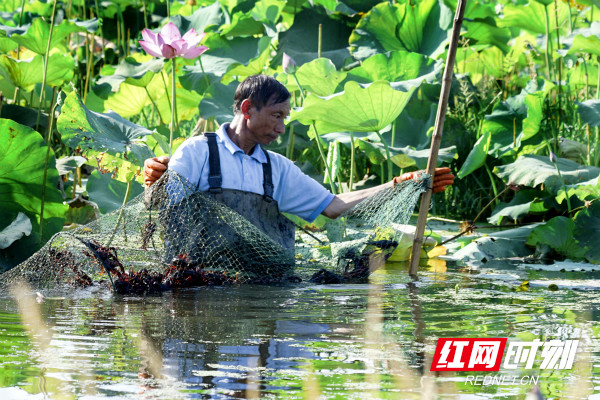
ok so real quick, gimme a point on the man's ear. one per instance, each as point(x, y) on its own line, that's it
point(245, 108)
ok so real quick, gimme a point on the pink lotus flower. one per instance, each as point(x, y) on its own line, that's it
point(169, 43)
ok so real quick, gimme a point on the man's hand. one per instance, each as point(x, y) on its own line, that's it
point(154, 168)
point(441, 178)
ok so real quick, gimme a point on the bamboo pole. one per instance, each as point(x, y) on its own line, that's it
point(436, 139)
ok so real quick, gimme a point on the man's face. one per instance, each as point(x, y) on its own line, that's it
point(266, 124)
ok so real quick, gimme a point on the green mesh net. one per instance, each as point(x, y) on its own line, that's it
point(175, 236)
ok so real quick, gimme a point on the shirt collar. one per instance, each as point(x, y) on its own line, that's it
point(258, 153)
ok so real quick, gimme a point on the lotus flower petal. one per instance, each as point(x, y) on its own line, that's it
point(193, 38)
point(170, 33)
point(151, 48)
point(180, 46)
point(194, 52)
point(168, 51)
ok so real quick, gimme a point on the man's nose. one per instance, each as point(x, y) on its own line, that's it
point(280, 128)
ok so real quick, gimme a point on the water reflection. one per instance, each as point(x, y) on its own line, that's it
point(373, 339)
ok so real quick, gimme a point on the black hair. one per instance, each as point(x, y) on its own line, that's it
point(261, 90)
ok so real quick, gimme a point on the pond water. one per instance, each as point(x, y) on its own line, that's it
point(372, 340)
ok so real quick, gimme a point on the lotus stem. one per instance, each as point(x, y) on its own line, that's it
point(154, 104)
point(351, 183)
point(100, 28)
point(45, 72)
point(317, 138)
point(320, 40)
point(564, 187)
point(17, 89)
point(173, 108)
point(204, 73)
point(121, 211)
point(548, 42)
point(388, 157)
point(48, 139)
point(290, 148)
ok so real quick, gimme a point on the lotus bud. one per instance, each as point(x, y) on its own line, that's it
point(289, 65)
point(191, 2)
point(553, 157)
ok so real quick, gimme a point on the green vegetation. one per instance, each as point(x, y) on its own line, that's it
point(365, 91)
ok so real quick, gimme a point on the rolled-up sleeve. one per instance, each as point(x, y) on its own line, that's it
point(297, 193)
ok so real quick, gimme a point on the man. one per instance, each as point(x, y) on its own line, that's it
point(259, 184)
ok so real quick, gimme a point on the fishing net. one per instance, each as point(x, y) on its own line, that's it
point(175, 236)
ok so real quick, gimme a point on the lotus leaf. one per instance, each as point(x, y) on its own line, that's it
point(477, 156)
point(395, 66)
point(26, 73)
point(218, 103)
point(517, 208)
point(318, 76)
point(201, 19)
point(109, 193)
point(36, 37)
point(584, 40)
point(587, 222)
point(485, 31)
point(20, 227)
point(589, 112)
point(24, 115)
point(531, 17)
point(133, 72)
point(336, 6)
point(558, 234)
point(402, 26)
point(301, 41)
point(85, 129)
point(68, 164)
point(530, 170)
point(355, 109)
point(23, 155)
point(589, 190)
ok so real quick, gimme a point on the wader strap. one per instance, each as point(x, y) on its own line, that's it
point(267, 177)
point(214, 163)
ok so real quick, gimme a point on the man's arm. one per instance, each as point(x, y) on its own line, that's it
point(345, 201)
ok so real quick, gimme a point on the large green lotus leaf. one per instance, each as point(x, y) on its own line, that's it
point(517, 208)
point(25, 116)
point(414, 123)
point(530, 170)
point(336, 6)
point(477, 156)
point(218, 102)
point(36, 37)
point(318, 76)
point(589, 111)
point(558, 234)
point(514, 120)
point(584, 40)
point(394, 66)
point(355, 109)
point(128, 101)
point(27, 73)
point(230, 56)
point(132, 72)
point(413, 27)
point(531, 17)
point(584, 191)
point(420, 157)
point(301, 41)
point(86, 129)
point(194, 78)
point(109, 193)
point(23, 155)
point(587, 222)
point(243, 24)
point(201, 19)
point(7, 45)
point(20, 227)
point(485, 31)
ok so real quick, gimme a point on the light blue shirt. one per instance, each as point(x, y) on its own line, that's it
point(295, 192)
